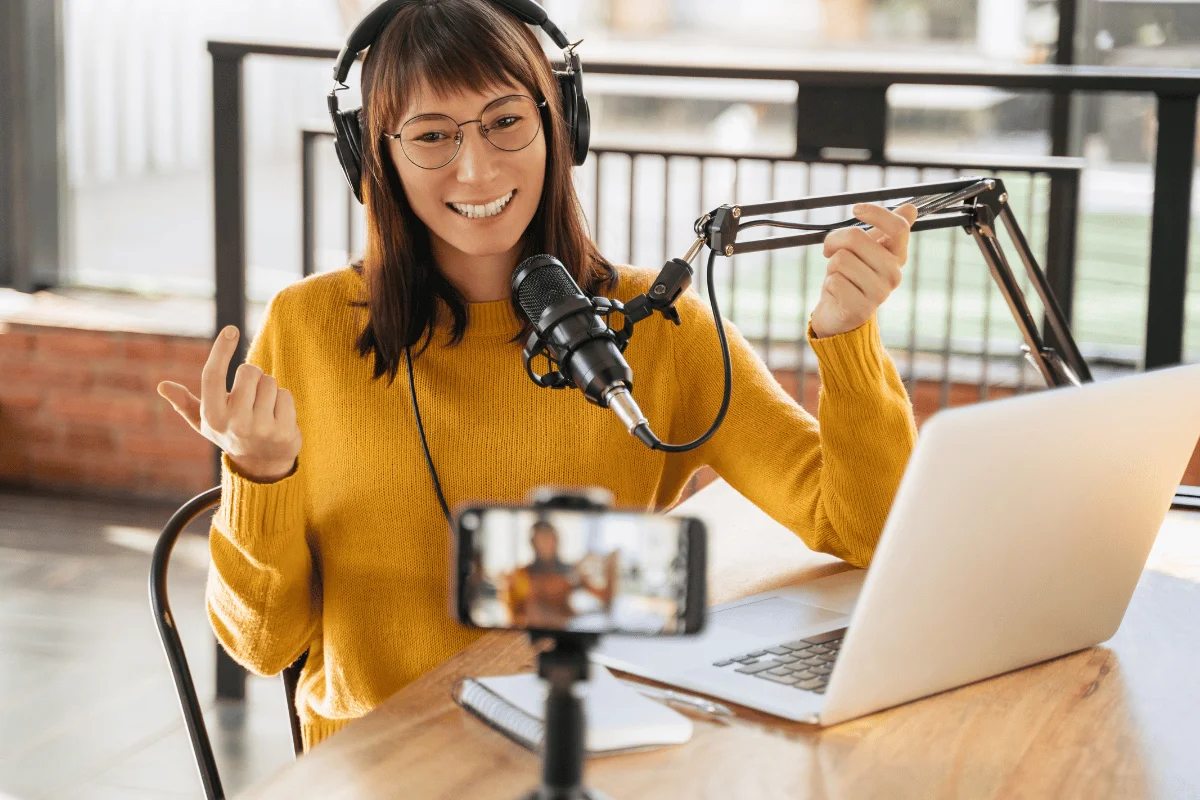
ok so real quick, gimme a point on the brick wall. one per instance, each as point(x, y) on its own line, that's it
point(79, 412)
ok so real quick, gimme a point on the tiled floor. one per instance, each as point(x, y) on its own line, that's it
point(87, 704)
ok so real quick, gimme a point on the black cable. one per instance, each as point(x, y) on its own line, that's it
point(437, 485)
point(800, 226)
point(643, 432)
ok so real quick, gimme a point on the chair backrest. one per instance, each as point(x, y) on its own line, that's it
point(193, 717)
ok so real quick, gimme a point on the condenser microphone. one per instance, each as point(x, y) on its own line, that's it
point(576, 338)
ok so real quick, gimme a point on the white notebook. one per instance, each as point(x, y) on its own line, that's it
point(619, 719)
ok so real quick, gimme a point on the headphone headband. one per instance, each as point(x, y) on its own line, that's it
point(347, 125)
point(370, 26)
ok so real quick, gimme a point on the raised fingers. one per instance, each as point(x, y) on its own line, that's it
point(892, 228)
point(213, 398)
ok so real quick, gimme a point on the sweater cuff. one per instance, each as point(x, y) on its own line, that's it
point(850, 361)
point(261, 512)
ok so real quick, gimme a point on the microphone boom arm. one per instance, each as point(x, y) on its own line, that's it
point(970, 203)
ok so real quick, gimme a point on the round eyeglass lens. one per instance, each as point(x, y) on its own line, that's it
point(430, 140)
point(509, 123)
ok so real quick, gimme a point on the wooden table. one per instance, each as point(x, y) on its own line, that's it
point(1118, 720)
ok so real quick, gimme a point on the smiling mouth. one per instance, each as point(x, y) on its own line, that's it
point(482, 211)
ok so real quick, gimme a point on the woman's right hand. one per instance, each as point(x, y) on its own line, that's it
point(254, 423)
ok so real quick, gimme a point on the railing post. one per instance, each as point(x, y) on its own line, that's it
point(1065, 107)
point(1061, 242)
point(229, 228)
point(33, 165)
point(1174, 161)
point(229, 196)
point(308, 183)
point(1063, 214)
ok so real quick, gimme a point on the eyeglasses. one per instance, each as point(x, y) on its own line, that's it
point(509, 123)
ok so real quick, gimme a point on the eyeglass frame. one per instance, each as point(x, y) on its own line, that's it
point(458, 137)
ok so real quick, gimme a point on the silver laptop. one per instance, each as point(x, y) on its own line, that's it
point(1017, 535)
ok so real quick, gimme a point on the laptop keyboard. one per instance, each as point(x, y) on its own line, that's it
point(803, 663)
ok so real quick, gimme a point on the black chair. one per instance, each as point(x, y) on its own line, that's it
point(192, 716)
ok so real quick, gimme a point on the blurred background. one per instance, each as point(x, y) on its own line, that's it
point(138, 121)
point(108, 276)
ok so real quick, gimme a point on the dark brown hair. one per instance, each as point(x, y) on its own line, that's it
point(450, 46)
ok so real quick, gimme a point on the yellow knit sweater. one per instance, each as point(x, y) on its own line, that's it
point(348, 557)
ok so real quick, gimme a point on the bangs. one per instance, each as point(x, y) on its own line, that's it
point(446, 49)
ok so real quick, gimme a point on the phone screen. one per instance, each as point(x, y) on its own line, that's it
point(569, 570)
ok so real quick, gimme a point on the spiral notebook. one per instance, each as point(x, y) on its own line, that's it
point(619, 719)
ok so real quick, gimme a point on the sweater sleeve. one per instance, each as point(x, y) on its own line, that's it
point(830, 480)
point(261, 594)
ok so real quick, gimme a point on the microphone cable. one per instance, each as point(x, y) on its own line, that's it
point(642, 431)
point(437, 484)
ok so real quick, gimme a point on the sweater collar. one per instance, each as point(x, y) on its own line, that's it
point(493, 318)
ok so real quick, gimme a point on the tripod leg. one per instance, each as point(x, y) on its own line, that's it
point(564, 741)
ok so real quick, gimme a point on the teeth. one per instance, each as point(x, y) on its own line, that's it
point(486, 210)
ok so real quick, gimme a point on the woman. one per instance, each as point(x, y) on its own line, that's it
point(338, 547)
point(539, 594)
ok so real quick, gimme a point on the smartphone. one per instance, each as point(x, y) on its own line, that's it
point(587, 571)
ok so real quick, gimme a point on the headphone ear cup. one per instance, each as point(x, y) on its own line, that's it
point(583, 129)
point(347, 127)
point(571, 115)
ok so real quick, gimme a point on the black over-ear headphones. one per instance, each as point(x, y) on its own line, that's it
point(347, 125)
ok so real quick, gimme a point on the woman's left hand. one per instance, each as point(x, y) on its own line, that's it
point(864, 268)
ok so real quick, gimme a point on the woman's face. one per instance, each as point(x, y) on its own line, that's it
point(545, 544)
point(458, 202)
